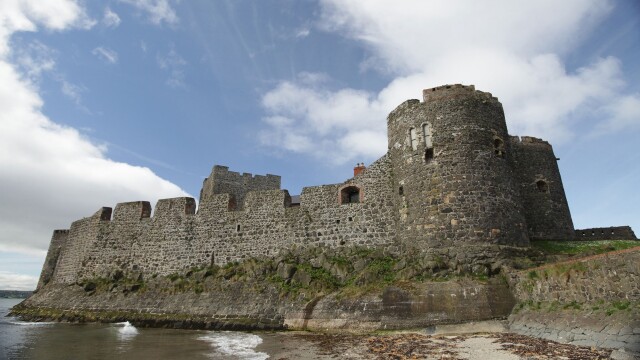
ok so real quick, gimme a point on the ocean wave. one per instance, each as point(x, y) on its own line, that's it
point(126, 330)
point(238, 344)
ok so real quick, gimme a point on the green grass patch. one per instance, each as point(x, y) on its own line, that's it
point(589, 247)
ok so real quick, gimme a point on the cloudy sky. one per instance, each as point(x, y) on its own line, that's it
point(110, 101)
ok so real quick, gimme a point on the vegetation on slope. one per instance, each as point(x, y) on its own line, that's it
point(583, 248)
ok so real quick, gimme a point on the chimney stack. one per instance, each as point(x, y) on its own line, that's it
point(358, 169)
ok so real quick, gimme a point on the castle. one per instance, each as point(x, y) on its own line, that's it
point(452, 178)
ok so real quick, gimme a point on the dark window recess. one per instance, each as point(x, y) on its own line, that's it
point(542, 186)
point(350, 195)
point(350, 218)
point(338, 221)
point(401, 191)
point(428, 154)
point(238, 227)
point(498, 147)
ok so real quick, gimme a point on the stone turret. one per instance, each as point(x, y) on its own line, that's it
point(452, 170)
point(544, 201)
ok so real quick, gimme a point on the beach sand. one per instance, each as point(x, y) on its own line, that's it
point(494, 346)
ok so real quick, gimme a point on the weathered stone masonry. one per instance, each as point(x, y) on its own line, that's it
point(452, 177)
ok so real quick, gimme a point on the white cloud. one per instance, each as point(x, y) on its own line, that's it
point(303, 32)
point(110, 19)
point(50, 174)
point(105, 54)
point(157, 11)
point(310, 118)
point(73, 92)
point(23, 15)
point(513, 49)
point(174, 64)
point(34, 59)
point(20, 282)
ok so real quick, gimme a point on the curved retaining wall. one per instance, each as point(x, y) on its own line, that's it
point(594, 301)
point(240, 305)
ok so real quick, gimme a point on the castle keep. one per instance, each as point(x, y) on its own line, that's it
point(452, 178)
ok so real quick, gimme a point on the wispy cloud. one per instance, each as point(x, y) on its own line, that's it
point(105, 54)
point(157, 11)
point(174, 64)
point(519, 60)
point(110, 19)
point(34, 59)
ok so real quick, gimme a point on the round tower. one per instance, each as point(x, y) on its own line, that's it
point(451, 159)
point(545, 204)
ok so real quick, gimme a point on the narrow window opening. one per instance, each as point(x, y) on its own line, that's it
point(542, 186)
point(498, 147)
point(426, 131)
point(413, 139)
point(350, 195)
point(428, 141)
point(238, 228)
point(428, 154)
point(338, 221)
point(350, 218)
point(401, 191)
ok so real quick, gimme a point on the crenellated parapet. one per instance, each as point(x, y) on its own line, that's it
point(530, 141)
point(132, 211)
point(448, 92)
point(223, 181)
point(606, 233)
point(174, 207)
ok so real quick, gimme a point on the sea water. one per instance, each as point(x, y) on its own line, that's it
point(50, 340)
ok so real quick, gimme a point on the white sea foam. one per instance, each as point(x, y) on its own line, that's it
point(30, 323)
point(126, 330)
point(237, 344)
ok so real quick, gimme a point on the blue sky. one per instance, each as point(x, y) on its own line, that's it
point(110, 101)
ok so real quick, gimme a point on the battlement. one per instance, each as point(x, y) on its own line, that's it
point(60, 231)
point(606, 233)
point(134, 210)
point(223, 171)
point(448, 92)
point(223, 181)
point(529, 141)
point(175, 207)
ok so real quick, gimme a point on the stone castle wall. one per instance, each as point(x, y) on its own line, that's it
point(58, 242)
point(177, 237)
point(608, 233)
point(452, 176)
